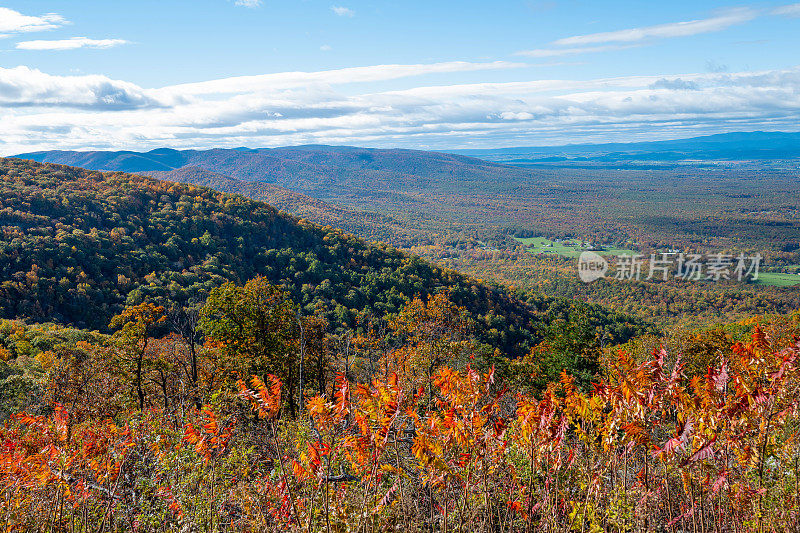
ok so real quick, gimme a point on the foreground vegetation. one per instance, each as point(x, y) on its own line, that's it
point(244, 418)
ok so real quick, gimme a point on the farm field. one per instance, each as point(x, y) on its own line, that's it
point(572, 248)
point(778, 279)
point(566, 248)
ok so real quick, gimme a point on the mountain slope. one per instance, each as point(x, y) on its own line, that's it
point(76, 245)
point(370, 226)
point(312, 169)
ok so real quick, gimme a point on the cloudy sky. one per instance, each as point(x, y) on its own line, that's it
point(91, 74)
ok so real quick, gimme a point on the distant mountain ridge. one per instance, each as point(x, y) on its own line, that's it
point(315, 169)
point(411, 197)
point(758, 145)
point(302, 168)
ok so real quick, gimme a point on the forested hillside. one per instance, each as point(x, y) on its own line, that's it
point(461, 213)
point(77, 245)
point(367, 225)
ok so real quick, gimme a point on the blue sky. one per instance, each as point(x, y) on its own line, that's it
point(116, 74)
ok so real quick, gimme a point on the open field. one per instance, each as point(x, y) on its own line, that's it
point(572, 248)
point(565, 248)
point(778, 279)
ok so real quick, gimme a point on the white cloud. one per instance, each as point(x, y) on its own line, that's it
point(632, 37)
point(72, 43)
point(248, 3)
point(326, 48)
point(558, 52)
point(343, 11)
point(267, 82)
point(23, 87)
point(663, 31)
point(14, 22)
point(790, 10)
point(41, 111)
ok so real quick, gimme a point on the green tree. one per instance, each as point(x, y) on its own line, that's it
point(135, 325)
point(256, 328)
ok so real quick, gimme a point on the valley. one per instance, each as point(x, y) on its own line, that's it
point(455, 209)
